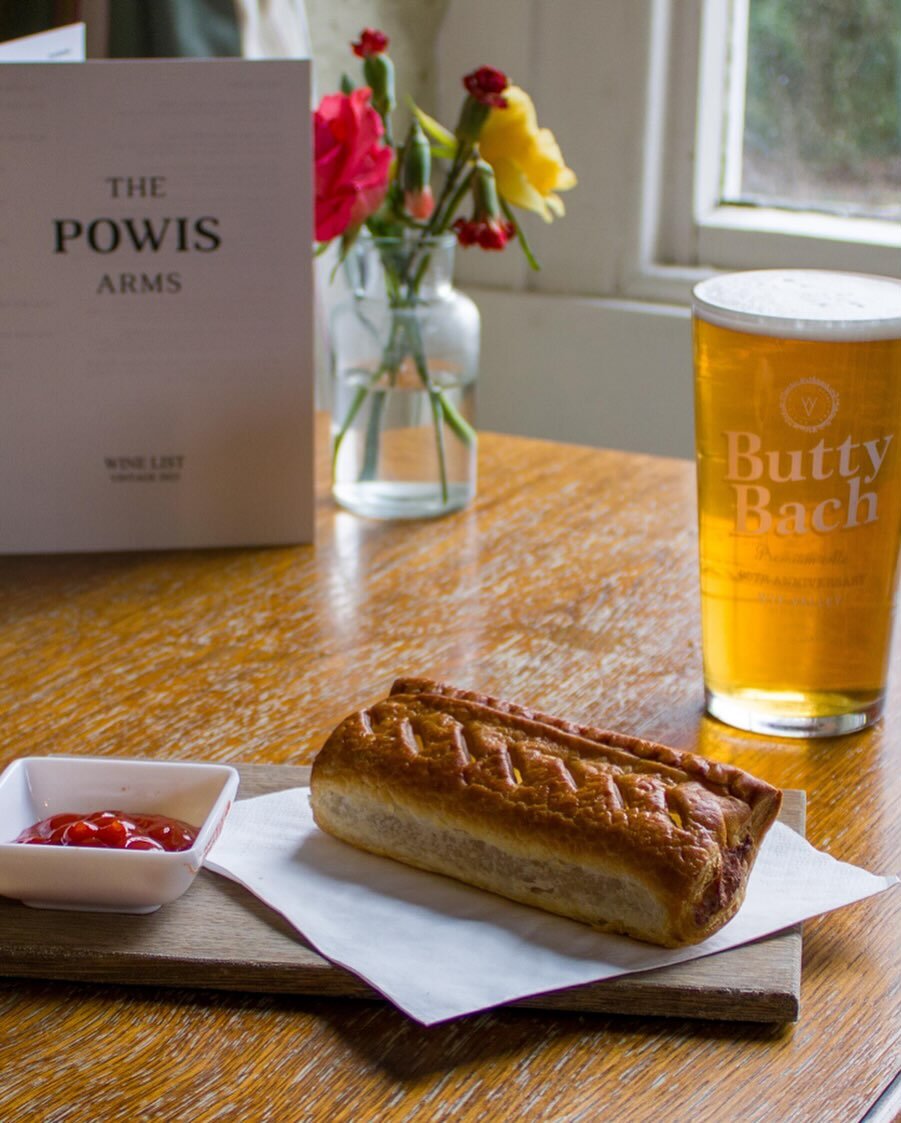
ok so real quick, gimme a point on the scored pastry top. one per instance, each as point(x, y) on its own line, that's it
point(474, 760)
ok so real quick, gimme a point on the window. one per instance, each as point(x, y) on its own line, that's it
point(814, 107)
point(709, 134)
point(797, 137)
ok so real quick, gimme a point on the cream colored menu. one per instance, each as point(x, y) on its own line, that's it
point(156, 385)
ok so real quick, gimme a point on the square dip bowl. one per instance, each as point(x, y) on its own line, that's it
point(94, 879)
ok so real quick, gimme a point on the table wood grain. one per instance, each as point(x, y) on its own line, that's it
point(570, 585)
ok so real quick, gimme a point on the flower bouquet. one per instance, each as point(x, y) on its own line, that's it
point(405, 345)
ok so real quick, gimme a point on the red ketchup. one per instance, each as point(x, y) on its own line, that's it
point(111, 830)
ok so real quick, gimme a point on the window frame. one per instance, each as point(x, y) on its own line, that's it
point(711, 234)
point(669, 95)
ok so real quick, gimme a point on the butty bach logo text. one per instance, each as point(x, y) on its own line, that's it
point(752, 470)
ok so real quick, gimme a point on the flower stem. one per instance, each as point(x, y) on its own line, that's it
point(526, 248)
point(443, 213)
point(465, 184)
point(452, 206)
point(402, 282)
point(388, 365)
point(439, 440)
point(359, 398)
point(455, 420)
point(370, 466)
point(435, 398)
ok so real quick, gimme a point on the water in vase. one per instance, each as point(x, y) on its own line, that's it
point(401, 450)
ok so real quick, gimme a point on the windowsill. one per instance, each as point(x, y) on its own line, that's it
point(805, 224)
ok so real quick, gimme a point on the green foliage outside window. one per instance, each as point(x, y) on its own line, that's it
point(823, 101)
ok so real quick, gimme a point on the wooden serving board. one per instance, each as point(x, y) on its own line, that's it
point(220, 936)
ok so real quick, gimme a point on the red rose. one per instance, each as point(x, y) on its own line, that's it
point(352, 164)
point(371, 43)
point(487, 85)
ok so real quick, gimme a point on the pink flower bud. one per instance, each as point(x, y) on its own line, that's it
point(419, 204)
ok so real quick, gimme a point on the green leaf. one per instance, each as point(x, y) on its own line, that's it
point(442, 152)
point(345, 245)
point(524, 245)
point(445, 140)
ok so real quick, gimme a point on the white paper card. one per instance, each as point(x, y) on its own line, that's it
point(438, 949)
point(156, 385)
point(61, 44)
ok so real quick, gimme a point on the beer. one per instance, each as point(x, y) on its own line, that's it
point(798, 428)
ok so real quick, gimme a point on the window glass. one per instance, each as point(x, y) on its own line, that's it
point(821, 107)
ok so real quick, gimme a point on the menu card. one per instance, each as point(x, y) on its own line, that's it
point(156, 372)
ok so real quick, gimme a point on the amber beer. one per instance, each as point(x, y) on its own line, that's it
point(798, 428)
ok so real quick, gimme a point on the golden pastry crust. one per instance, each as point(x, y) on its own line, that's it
point(525, 804)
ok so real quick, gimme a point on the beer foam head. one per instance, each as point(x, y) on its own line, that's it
point(802, 304)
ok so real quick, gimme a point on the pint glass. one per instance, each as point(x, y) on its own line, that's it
point(798, 427)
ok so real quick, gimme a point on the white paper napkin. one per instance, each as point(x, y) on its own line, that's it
point(438, 949)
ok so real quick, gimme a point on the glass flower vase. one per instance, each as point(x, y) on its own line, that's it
point(404, 353)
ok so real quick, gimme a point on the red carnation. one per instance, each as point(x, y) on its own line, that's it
point(487, 233)
point(371, 43)
point(487, 86)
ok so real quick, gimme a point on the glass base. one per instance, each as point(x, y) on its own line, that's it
point(791, 715)
point(380, 499)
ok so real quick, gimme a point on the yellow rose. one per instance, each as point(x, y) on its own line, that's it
point(527, 160)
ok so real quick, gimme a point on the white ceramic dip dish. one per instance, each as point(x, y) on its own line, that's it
point(107, 880)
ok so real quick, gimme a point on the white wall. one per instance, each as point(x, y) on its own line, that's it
point(411, 25)
point(609, 373)
point(567, 354)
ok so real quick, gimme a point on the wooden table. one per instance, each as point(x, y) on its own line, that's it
point(569, 585)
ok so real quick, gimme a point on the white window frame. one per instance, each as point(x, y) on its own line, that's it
point(671, 228)
point(699, 231)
